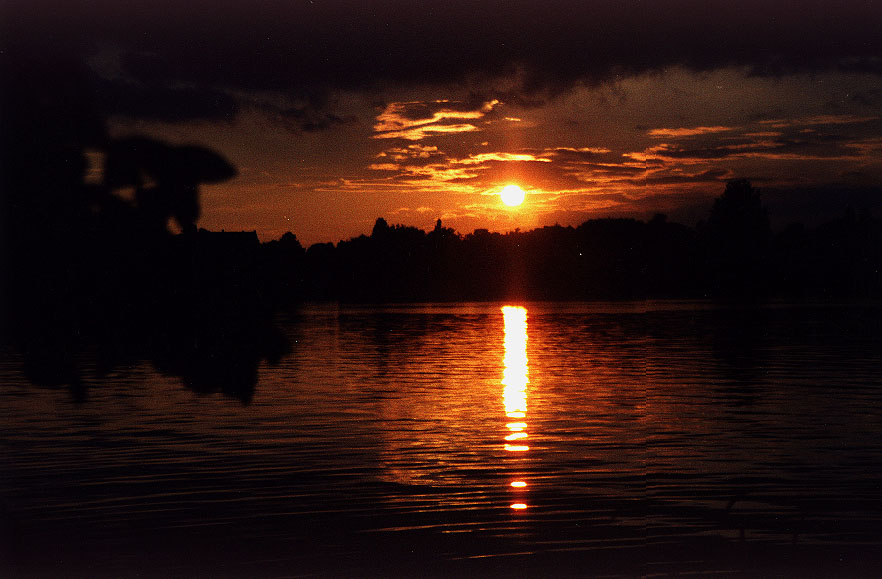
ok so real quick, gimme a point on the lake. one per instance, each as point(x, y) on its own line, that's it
point(480, 439)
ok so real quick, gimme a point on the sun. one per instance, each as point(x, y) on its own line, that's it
point(512, 195)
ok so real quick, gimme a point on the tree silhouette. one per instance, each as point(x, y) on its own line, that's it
point(738, 236)
point(95, 277)
point(165, 178)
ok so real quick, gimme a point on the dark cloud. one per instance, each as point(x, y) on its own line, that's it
point(202, 49)
point(678, 179)
point(305, 118)
point(414, 156)
point(166, 103)
point(805, 145)
point(582, 155)
point(609, 170)
point(417, 111)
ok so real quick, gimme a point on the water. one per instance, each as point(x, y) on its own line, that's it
point(645, 439)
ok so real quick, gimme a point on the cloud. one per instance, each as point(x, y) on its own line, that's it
point(414, 121)
point(806, 149)
point(576, 152)
point(818, 120)
point(302, 49)
point(575, 156)
point(483, 158)
point(687, 132)
point(419, 164)
point(309, 119)
point(695, 156)
point(384, 167)
point(414, 154)
point(678, 178)
point(419, 133)
point(814, 138)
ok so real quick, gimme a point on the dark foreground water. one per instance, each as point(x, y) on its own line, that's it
point(591, 440)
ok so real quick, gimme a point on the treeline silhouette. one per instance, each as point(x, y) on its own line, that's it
point(733, 255)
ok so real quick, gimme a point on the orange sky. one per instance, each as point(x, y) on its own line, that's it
point(657, 142)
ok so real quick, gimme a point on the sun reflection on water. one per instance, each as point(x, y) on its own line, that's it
point(514, 373)
point(514, 380)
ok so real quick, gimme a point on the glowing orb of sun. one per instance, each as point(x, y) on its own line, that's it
point(512, 195)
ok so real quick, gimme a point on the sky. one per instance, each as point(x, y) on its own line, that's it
point(336, 113)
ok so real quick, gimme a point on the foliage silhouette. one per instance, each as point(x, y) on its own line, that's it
point(97, 278)
point(737, 238)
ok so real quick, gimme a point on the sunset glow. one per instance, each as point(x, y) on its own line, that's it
point(512, 195)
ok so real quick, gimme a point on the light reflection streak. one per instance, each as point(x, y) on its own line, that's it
point(514, 381)
point(514, 373)
point(516, 447)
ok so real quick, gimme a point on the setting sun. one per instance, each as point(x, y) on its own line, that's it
point(512, 195)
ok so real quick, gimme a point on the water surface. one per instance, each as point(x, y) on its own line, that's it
point(625, 439)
